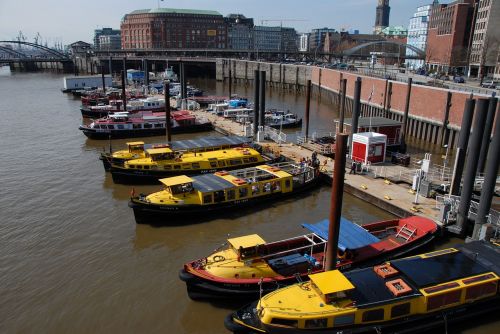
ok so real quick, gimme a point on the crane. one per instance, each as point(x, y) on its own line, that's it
point(281, 21)
point(38, 38)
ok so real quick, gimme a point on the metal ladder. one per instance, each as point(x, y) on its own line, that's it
point(405, 233)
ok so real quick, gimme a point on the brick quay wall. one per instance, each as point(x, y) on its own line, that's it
point(427, 112)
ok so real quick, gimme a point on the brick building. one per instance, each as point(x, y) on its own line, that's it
point(485, 39)
point(171, 28)
point(448, 36)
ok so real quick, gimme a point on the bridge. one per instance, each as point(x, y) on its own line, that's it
point(32, 56)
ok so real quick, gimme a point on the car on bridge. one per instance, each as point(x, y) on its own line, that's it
point(490, 84)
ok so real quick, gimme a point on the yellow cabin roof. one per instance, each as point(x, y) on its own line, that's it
point(175, 180)
point(133, 143)
point(159, 150)
point(246, 241)
point(331, 281)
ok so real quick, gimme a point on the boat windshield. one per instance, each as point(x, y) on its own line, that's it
point(181, 188)
point(161, 156)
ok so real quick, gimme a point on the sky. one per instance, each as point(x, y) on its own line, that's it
point(68, 21)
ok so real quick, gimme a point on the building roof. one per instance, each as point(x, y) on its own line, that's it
point(175, 11)
point(374, 121)
point(395, 31)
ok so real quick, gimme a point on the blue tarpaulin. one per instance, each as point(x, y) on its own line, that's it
point(352, 236)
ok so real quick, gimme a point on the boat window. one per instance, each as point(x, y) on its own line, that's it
point(186, 166)
point(231, 194)
point(477, 279)
point(267, 187)
point(131, 166)
point(195, 165)
point(219, 196)
point(481, 290)
point(177, 166)
point(443, 300)
point(234, 162)
point(284, 322)
point(136, 126)
point(316, 323)
point(287, 183)
point(343, 320)
point(148, 125)
point(373, 315)
point(255, 189)
point(207, 198)
point(146, 167)
point(167, 167)
point(221, 163)
point(441, 287)
point(120, 126)
point(253, 159)
point(243, 192)
point(111, 127)
point(158, 125)
point(246, 160)
point(400, 310)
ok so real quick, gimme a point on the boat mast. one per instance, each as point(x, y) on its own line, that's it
point(168, 129)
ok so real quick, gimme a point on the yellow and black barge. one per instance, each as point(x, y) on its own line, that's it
point(407, 295)
point(222, 192)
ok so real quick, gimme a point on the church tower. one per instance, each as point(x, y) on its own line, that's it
point(382, 16)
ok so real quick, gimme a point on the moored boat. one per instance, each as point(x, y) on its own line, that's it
point(164, 162)
point(137, 150)
point(124, 125)
point(222, 192)
point(248, 265)
point(150, 104)
point(407, 295)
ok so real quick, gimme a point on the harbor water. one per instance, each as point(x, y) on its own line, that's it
point(73, 260)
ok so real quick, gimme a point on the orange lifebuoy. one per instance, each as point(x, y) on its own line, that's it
point(239, 181)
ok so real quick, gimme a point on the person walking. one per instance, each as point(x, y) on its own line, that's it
point(353, 168)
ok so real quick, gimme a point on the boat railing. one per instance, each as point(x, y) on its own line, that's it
point(313, 239)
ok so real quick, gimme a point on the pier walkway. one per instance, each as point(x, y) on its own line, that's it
point(394, 198)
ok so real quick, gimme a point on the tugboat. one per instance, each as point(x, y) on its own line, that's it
point(124, 125)
point(164, 162)
point(137, 150)
point(247, 266)
point(222, 191)
point(407, 295)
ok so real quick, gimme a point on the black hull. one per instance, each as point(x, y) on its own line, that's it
point(415, 324)
point(297, 124)
point(199, 288)
point(87, 113)
point(149, 214)
point(121, 134)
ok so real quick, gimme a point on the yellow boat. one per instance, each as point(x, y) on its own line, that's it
point(410, 295)
point(137, 149)
point(222, 192)
point(164, 162)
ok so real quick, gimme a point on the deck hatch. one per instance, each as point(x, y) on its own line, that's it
point(438, 269)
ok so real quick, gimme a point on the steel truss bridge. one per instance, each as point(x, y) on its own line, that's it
point(46, 54)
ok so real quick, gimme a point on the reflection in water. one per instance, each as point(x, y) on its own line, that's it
point(73, 259)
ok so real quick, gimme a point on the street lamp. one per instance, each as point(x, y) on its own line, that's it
point(445, 162)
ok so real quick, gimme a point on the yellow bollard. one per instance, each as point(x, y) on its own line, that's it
point(387, 181)
point(387, 197)
point(363, 186)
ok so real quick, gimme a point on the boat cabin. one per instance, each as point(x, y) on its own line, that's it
point(160, 154)
point(246, 247)
point(135, 147)
point(330, 293)
point(177, 185)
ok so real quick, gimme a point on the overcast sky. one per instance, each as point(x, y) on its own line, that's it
point(69, 20)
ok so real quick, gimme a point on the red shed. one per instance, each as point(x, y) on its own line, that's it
point(369, 146)
point(389, 127)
